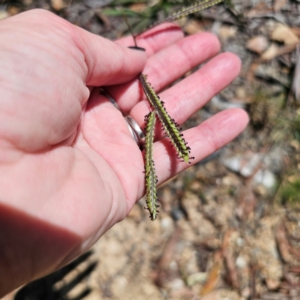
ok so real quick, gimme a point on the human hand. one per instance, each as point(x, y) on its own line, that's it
point(69, 167)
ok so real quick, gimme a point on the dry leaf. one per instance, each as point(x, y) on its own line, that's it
point(13, 10)
point(272, 284)
point(293, 269)
point(193, 26)
point(230, 260)
point(58, 4)
point(226, 32)
point(246, 201)
point(257, 44)
point(270, 53)
point(213, 276)
point(279, 4)
point(163, 274)
point(138, 7)
point(284, 34)
point(282, 242)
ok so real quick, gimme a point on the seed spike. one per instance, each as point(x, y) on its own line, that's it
point(170, 127)
point(198, 6)
point(150, 174)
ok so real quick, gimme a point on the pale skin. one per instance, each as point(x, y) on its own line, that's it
point(69, 168)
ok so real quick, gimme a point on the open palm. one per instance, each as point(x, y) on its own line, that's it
point(70, 168)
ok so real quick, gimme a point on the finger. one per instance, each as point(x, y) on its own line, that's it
point(156, 39)
point(107, 62)
point(173, 62)
point(189, 95)
point(204, 139)
point(168, 65)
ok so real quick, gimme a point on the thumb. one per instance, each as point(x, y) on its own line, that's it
point(108, 63)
